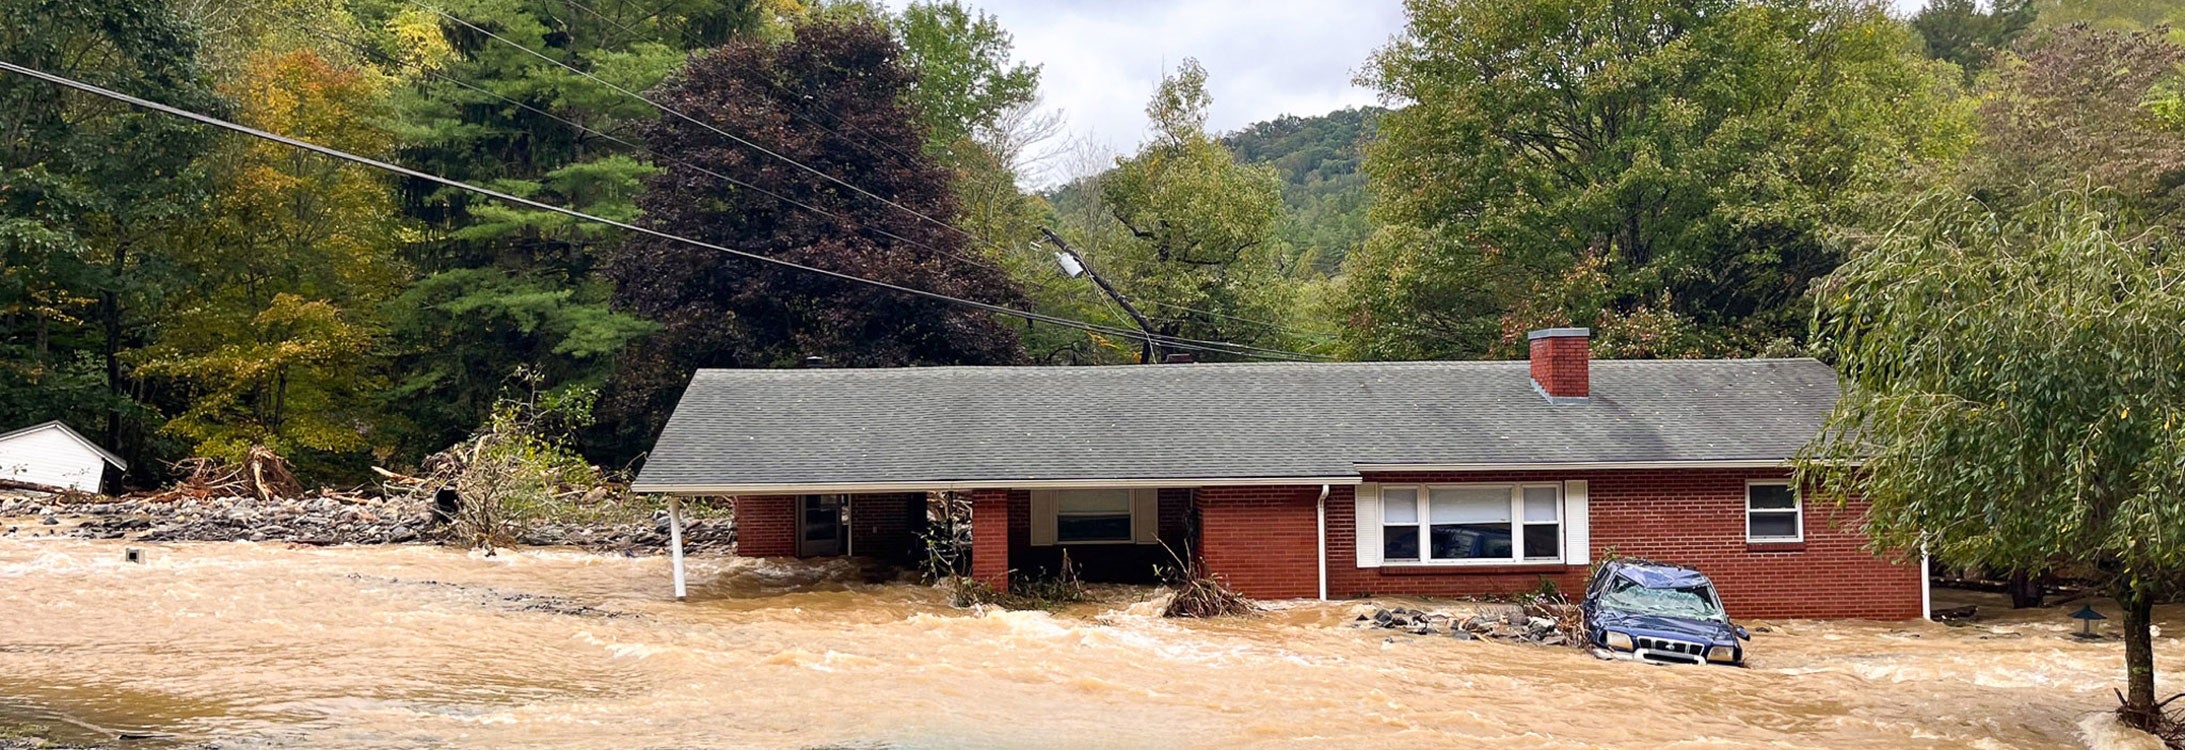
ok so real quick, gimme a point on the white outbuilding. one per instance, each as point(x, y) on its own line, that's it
point(53, 455)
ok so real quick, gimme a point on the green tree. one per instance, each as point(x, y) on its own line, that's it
point(2114, 15)
point(2078, 106)
point(965, 78)
point(1196, 253)
point(459, 114)
point(1968, 35)
point(90, 193)
point(2036, 423)
point(265, 339)
point(1692, 148)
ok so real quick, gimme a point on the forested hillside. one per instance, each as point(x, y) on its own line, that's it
point(1679, 175)
point(1323, 185)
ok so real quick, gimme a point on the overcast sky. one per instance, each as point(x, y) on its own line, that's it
point(1101, 59)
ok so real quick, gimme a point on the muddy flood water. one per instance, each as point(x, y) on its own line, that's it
point(263, 645)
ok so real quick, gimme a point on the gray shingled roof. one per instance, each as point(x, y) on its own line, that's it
point(739, 428)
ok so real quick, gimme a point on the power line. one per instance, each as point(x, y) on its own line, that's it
point(1210, 313)
point(415, 174)
point(579, 127)
point(692, 120)
point(776, 155)
point(1241, 349)
point(867, 142)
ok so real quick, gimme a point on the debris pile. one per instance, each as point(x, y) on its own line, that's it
point(335, 518)
point(262, 474)
point(1546, 623)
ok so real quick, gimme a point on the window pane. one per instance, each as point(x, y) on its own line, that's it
point(1468, 505)
point(1092, 501)
point(1472, 540)
point(1540, 504)
point(1764, 525)
point(1770, 496)
point(1100, 528)
point(1543, 540)
point(1399, 542)
point(1400, 505)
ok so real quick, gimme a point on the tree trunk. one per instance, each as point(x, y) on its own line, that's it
point(110, 322)
point(2139, 657)
point(2025, 590)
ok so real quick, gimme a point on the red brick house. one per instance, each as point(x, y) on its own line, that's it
point(1297, 480)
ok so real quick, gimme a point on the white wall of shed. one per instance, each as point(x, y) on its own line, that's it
point(50, 457)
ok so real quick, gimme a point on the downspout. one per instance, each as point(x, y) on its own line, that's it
point(1321, 519)
point(1926, 587)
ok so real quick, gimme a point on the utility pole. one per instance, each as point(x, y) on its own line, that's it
point(1148, 353)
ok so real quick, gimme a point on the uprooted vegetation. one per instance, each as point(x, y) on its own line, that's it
point(519, 473)
point(1190, 590)
point(1026, 590)
point(1200, 593)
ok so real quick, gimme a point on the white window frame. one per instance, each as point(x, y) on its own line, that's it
point(1046, 517)
point(1129, 513)
point(1517, 525)
point(1797, 512)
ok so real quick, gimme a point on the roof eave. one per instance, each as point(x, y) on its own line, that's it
point(803, 488)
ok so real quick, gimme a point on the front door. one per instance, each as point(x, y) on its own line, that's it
point(823, 528)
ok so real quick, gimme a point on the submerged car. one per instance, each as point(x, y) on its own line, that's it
point(1660, 613)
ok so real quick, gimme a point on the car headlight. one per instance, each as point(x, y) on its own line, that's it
point(1722, 654)
point(1618, 641)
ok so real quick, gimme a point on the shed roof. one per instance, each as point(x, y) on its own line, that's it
point(105, 454)
point(747, 431)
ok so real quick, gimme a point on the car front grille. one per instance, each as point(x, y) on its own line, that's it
point(1671, 650)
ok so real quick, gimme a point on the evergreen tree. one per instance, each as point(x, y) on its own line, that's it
point(1964, 33)
point(508, 289)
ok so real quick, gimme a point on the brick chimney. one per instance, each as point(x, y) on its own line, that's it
point(1559, 360)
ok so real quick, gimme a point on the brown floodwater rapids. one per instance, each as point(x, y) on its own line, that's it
point(264, 645)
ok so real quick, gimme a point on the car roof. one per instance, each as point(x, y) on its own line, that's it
point(1661, 576)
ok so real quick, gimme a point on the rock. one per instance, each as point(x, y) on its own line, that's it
point(1462, 635)
point(51, 521)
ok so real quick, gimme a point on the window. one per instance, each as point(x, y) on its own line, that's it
point(1092, 515)
point(1772, 513)
point(1472, 523)
point(1400, 523)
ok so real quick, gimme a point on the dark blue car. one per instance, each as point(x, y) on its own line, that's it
point(1660, 613)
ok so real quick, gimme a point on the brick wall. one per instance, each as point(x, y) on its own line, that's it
point(992, 520)
point(1691, 517)
point(766, 525)
point(887, 527)
point(1263, 540)
point(1697, 518)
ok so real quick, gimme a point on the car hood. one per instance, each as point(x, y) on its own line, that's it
point(1713, 632)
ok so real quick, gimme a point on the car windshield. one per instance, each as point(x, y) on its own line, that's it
point(1686, 601)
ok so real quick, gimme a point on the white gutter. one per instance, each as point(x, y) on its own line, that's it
point(1031, 484)
point(1321, 518)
